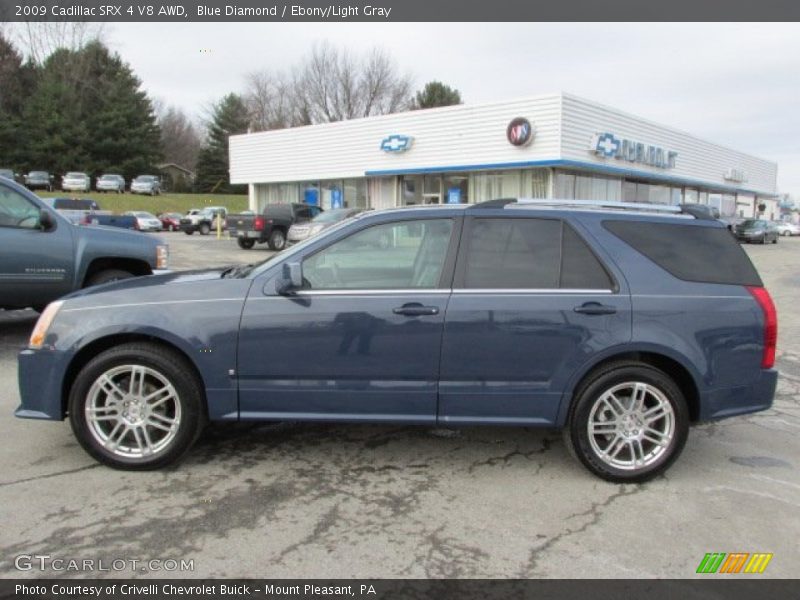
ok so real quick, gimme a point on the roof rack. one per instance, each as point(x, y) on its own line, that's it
point(698, 211)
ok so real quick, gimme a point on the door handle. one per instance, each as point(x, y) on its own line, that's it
point(595, 308)
point(415, 309)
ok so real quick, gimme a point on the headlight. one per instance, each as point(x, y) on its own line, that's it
point(162, 256)
point(43, 324)
point(315, 229)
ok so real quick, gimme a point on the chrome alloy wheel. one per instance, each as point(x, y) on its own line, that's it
point(133, 411)
point(631, 425)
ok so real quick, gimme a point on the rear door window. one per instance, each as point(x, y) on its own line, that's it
point(689, 252)
point(527, 253)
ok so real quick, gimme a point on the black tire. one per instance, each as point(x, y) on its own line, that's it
point(245, 244)
point(173, 368)
point(205, 229)
point(107, 276)
point(188, 231)
point(277, 240)
point(588, 395)
point(775, 241)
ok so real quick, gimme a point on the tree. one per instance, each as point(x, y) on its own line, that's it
point(274, 102)
point(15, 79)
point(89, 113)
point(180, 139)
point(229, 117)
point(335, 85)
point(434, 94)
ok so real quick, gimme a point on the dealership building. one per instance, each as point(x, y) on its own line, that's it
point(554, 146)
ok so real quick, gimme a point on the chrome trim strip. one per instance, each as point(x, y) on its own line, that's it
point(548, 291)
point(397, 292)
point(128, 304)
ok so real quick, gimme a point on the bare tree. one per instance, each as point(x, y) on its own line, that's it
point(38, 40)
point(336, 85)
point(272, 101)
point(180, 138)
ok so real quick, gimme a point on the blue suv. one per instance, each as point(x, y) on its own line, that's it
point(621, 324)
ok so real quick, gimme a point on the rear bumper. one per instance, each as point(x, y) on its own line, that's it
point(729, 402)
point(250, 235)
point(40, 375)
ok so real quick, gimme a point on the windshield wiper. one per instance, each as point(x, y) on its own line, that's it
point(236, 271)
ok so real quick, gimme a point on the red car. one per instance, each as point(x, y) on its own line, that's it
point(170, 221)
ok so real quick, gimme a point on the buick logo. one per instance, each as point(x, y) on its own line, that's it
point(519, 132)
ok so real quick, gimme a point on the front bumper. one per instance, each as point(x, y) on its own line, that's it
point(40, 374)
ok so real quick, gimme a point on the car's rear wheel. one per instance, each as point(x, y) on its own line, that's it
point(137, 406)
point(628, 422)
point(245, 244)
point(277, 240)
point(205, 229)
point(107, 276)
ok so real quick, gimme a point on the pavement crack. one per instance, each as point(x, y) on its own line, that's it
point(49, 475)
point(596, 513)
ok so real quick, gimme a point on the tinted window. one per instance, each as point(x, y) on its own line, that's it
point(523, 253)
point(689, 252)
point(403, 255)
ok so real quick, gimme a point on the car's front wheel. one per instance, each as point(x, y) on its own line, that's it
point(205, 229)
point(137, 406)
point(628, 422)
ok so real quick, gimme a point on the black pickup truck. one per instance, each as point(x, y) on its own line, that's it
point(272, 225)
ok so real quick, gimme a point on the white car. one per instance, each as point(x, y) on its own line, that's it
point(76, 182)
point(785, 228)
point(145, 220)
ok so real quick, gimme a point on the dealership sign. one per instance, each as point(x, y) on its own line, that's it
point(397, 143)
point(519, 132)
point(608, 145)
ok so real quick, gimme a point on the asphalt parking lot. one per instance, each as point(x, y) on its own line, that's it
point(296, 500)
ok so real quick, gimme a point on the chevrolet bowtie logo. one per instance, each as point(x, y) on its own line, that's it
point(397, 143)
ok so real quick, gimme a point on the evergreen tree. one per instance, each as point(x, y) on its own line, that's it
point(229, 117)
point(15, 78)
point(434, 94)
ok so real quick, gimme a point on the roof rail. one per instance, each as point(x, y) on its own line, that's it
point(698, 211)
point(498, 203)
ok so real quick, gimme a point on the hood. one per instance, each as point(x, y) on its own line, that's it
point(175, 278)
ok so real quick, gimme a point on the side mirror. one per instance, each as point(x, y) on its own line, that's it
point(292, 278)
point(46, 220)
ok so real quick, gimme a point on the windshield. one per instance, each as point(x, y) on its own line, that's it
point(751, 223)
point(38, 174)
point(144, 179)
point(74, 175)
point(107, 177)
point(143, 215)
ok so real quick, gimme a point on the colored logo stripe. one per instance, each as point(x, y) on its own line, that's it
point(758, 562)
point(714, 562)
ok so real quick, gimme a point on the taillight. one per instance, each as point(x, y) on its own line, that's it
point(770, 325)
point(258, 224)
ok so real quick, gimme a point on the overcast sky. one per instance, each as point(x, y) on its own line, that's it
point(734, 84)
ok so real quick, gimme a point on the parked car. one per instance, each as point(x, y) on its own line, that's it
point(74, 209)
point(146, 184)
point(110, 220)
point(76, 182)
point(620, 326)
point(146, 221)
point(8, 174)
point(39, 180)
point(170, 221)
point(272, 226)
point(45, 256)
point(109, 182)
point(787, 229)
point(232, 220)
point(204, 220)
point(756, 230)
point(302, 231)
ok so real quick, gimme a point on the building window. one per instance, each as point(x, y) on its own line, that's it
point(573, 186)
